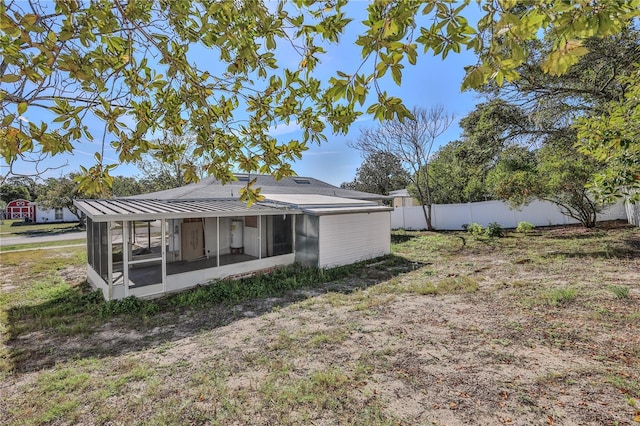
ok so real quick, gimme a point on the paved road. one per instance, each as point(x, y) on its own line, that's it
point(39, 238)
point(8, 240)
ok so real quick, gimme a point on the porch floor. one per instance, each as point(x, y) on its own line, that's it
point(142, 276)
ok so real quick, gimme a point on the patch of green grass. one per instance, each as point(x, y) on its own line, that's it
point(274, 283)
point(625, 384)
point(448, 285)
point(294, 400)
point(328, 337)
point(560, 296)
point(620, 291)
point(19, 227)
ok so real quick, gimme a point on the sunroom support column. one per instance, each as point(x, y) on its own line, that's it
point(163, 246)
point(293, 233)
point(218, 241)
point(125, 257)
point(109, 261)
point(260, 237)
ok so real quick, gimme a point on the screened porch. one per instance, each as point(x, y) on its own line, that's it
point(149, 256)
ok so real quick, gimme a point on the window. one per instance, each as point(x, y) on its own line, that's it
point(58, 213)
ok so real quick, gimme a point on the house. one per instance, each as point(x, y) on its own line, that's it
point(31, 212)
point(153, 244)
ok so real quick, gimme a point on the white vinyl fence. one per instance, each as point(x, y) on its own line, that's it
point(633, 213)
point(454, 216)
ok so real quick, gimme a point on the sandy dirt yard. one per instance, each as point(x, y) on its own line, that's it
point(538, 329)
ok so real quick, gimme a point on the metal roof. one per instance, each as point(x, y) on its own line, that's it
point(399, 193)
point(128, 209)
point(210, 188)
point(324, 211)
point(314, 200)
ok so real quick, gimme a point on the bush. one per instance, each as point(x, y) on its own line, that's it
point(475, 229)
point(524, 227)
point(128, 306)
point(494, 230)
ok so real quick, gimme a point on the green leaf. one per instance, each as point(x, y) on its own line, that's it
point(8, 119)
point(10, 78)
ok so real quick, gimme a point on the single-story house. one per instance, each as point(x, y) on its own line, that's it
point(202, 232)
point(30, 211)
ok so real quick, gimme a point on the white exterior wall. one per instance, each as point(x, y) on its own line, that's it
point(253, 245)
point(49, 215)
point(225, 235)
point(211, 236)
point(453, 216)
point(349, 238)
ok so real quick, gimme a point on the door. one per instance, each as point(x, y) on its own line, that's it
point(282, 234)
point(192, 240)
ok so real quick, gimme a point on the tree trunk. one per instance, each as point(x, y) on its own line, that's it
point(426, 210)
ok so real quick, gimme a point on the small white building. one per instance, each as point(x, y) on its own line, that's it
point(402, 198)
point(202, 232)
point(31, 211)
point(56, 214)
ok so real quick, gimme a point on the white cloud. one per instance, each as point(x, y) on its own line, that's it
point(284, 129)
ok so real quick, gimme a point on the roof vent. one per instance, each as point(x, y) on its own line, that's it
point(243, 178)
point(302, 181)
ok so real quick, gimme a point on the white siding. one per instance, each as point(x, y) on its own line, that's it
point(49, 215)
point(225, 235)
point(349, 238)
point(210, 236)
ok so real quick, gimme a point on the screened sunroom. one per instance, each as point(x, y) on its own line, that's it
point(149, 248)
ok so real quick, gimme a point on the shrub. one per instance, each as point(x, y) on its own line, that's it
point(128, 306)
point(475, 229)
point(494, 230)
point(524, 227)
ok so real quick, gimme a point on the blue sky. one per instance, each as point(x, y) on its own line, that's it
point(431, 82)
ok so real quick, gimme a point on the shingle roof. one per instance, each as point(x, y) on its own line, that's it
point(210, 188)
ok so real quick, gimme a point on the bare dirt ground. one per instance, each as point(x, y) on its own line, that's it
point(534, 330)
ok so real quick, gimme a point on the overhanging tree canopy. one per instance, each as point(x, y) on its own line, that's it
point(132, 65)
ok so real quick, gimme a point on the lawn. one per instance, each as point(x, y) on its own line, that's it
point(19, 227)
point(538, 328)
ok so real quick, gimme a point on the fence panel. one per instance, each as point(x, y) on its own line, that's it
point(454, 216)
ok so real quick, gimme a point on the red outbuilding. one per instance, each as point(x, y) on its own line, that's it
point(21, 209)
